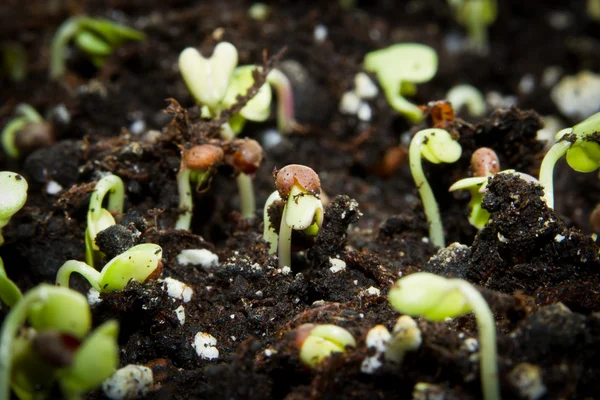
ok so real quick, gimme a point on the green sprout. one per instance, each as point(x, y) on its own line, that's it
point(140, 263)
point(14, 61)
point(97, 37)
point(317, 342)
point(12, 197)
point(299, 187)
point(100, 218)
point(55, 347)
point(581, 145)
point(475, 16)
point(469, 96)
point(215, 83)
point(437, 146)
point(593, 9)
point(398, 68)
point(436, 298)
point(9, 291)
point(25, 115)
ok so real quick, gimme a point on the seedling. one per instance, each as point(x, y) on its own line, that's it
point(12, 197)
point(14, 61)
point(299, 187)
point(9, 291)
point(581, 145)
point(398, 68)
point(25, 115)
point(469, 96)
point(245, 156)
point(96, 37)
point(60, 319)
point(317, 342)
point(475, 16)
point(197, 165)
point(436, 298)
point(100, 218)
point(437, 146)
point(140, 263)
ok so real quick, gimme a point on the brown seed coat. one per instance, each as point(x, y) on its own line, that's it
point(293, 174)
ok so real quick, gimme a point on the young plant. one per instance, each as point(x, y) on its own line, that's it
point(100, 218)
point(245, 156)
point(317, 342)
point(9, 292)
point(436, 298)
point(55, 348)
point(475, 16)
point(437, 146)
point(299, 187)
point(12, 197)
point(96, 37)
point(27, 116)
point(197, 165)
point(140, 263)
point(398, 68)
point(581, 144)
point(14, 61)
point(469, 96)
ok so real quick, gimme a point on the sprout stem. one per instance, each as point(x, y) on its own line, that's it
point(246, 189)
point(284, 245)
point(89, 273)
point(61, 39)
point(547, 169)
point(432, 212)
point(112, 185)
point(186, 202)
point(285, 106)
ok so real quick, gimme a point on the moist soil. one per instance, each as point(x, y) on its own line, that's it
point(538, 268)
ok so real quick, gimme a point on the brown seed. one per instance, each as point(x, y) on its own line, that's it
point(302, 332)
point(56, 348)
point(247, 155)
point(35, 136)
point(202, 157)
point(484, 162)
point(293, 174)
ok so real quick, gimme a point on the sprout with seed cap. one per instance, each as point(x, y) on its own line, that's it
point(245, 156)
point(55, 347)
point(100, 218)
point(299, 187)
point(27, 117)
point(398, 68)
point(140, 263)
point(13, 196)
point(317, 342)
point(436, 298)
point(437, 146)
point(97, 37)
point(581, 144)
point(197, 165)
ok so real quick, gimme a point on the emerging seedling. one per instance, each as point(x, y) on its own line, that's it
point(14, 61)
point(54, 349)
point(97, 37)
point(582, 147)
point(299, 187)
point(398, 68)
point(317, 342)
point(13, 195)
point(475, 16)
point(469, 96)
point(245, 156)
point(140, 263)
point(437, 146)
point(27, 117)
point(437, 298)
point(197, 165)
point(9, 291)
point(100, 218)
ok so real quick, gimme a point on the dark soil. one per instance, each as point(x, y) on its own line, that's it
point(538, 268)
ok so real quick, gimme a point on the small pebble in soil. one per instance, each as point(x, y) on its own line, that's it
point(93, 297)
point(129, 382)
point(53, 187)
point(180, 313)
point(320, 33)
point(337, 265)
point(376, 341)
point(205, 346)
point(178, 290)
point(526, 381)
point(206, 259)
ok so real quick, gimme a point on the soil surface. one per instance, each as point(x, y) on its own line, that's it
point(538, 268)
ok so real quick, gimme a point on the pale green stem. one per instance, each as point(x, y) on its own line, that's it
point(476, 26)
point(186, 202)
point(226, 132)
point(10, 293)
point(285, 104)
point(61, 39)
point(13, 321)
point(284, 245)
point(248, 204)
point(30, 113)
point(400, 104)
point(547, 169)
point(113, 186)
point(486, 326)
point(430, 206)
point(89, 273)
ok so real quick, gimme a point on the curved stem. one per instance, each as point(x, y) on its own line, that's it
point(89, 273)
point(430, 206)
point(547, 169)
point(285, 104)
point(61, 39)
point(248, 203)
point(400, 104)
point(486, 325)
point(284, 245)
point(113, 186)
point(186, 202)
point(13, 321)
